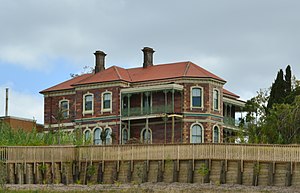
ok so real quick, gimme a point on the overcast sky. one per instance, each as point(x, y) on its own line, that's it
point(243, 41)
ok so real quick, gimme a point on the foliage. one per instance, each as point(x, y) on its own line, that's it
point(86, 70)
point(275, 117)
point(203, 171)
point(281, 88)
point(15, 137)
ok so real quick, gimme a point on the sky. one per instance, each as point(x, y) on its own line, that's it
point(42, 42)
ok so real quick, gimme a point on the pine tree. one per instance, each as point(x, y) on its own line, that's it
point(288, 80)
point(277, 93)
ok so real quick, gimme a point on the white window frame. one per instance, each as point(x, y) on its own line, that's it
point(102, 102)
point(68, 111)
point(213, 134)
point(110, 137)
point(85, 112)
point(191, 97)
point(93, 137)
point(191, 132)
point(219, 99)
point(127, 135)
point(142, 137)
point(91, 134)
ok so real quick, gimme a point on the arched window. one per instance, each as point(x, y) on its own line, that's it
point(196, 133)
point(108, 139)
point(196, 97)
point(216, 135)
point(124, 136)
point(88, 103)
point(216, 99)
point(64, 108)
point(97, 136)
point(146, 136)
point(87, 136)
point(106, 101)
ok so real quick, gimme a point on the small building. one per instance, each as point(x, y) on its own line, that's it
point(22, 123)
point(163, 103)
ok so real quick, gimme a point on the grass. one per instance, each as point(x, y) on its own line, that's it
point(18, 137)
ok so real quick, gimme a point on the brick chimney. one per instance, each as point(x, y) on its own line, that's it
point(148, 57)
point(100, 61)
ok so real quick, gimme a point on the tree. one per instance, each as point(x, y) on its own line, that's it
point(281, 88)
point(288, 80)
point(283, 123)
point(86, 70)
point(275, 117)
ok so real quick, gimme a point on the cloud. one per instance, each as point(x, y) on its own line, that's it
point(24, 105)
point(244, 42)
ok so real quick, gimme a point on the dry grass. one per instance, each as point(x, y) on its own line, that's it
point(144, 188)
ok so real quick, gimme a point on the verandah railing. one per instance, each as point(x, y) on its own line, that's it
point(268, 153)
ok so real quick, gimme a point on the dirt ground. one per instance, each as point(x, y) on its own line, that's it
point(151, 187)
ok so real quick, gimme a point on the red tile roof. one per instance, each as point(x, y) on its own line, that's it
point(232, 95)
point(67, 84)
point(155, 72)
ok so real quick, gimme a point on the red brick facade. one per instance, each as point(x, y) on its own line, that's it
point(161, 104)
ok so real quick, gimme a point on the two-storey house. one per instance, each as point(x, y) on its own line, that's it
point(164, 103)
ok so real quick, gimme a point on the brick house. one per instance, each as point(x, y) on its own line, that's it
point(165, 103)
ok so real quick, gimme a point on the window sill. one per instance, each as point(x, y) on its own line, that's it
point(201, 108)
point(88, 112)
point(106, 110)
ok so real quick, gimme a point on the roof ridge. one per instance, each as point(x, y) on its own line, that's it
point(117, 72)
point(186, 68)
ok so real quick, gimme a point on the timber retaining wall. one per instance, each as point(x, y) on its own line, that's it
point(140, 163)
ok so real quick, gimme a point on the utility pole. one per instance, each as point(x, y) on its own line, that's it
point(6, 103)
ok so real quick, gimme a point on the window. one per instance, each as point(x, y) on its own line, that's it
point(106, 101)
point(97, 136)
point(108, 139)
point(216, 99)
point(125, 102)
point(146, 102)
point(196, 133)
point(146, 136)
point(87, 136)
point(197, 97)
point(88, 103)
point(124, 136)
point(64, 108)
point(216, 135)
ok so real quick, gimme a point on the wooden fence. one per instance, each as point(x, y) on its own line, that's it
point(262, 153)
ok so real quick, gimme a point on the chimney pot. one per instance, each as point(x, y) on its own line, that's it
point(148, 57)
point(100, 61)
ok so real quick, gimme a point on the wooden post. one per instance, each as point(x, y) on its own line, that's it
point(100, 173)
point(173, 129)
point(223, 173)
point(240, 172)
point(288, 175)
point(256, 169)
point(129, 172)
point(159, 172)
point(271, 172)
point(145, 172)
point(175, 172)
point(207, 165)
point(76, 174)
point(114, 176)
point(190, 176)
